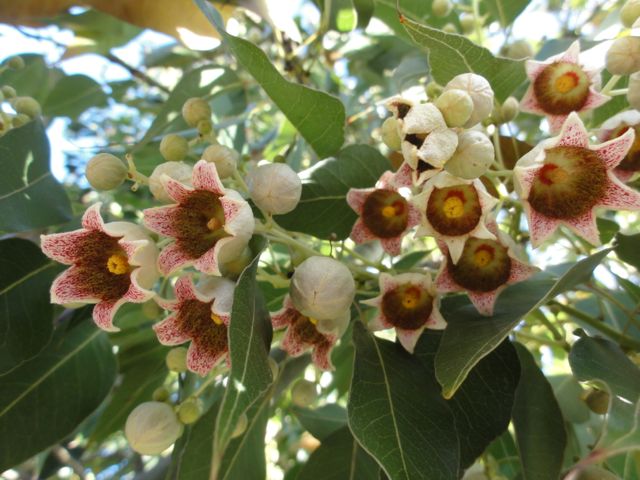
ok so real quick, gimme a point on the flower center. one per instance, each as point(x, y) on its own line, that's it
point(561, 88)
point(407, 306)
point(213, 224)
point(483, 256)
point(454, 211)
point(216, 319)
point(483, 266)
point(385, 213)
point(566, 82)
point(411, 298)
point(453, 207)
point(118, 264)
point(304, 330)
point(553, 174)
point(314, 321)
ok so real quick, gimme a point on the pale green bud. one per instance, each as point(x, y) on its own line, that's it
point(105, 172)
point(176, 360)
point(160, 394)
point(20, 119)
point(509, 109)
point(16, 63)
point(241, 426)
point(225, 158)
point(630, 12)
point(179, 171)
point(152, 427)
point(623, 57)
point(449, 28)
point(456, 107)
point(275, 188)
point(27, 105)
point(633, 91)
point(389, 134)
point(173, 147)
point(472, 157)
point(190, 411)
point(195, 110)
point(440, 8)
point(303, 393)
point(519, 49)
point(467, 22)
point(8, 91)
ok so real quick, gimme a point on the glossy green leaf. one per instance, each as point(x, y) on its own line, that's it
point(342, 15)
point(607, 229)
point(339, 457)
point(418, 10)
point(470, 336)
point(26, 313)
point(452, 54)
point(396, 412)
point(72, 95)
point(506, 11)
point(30, 197)
point(538, 422)
point(319, 117)
point(249, 340)
point(47, 397)
point(323, 210)
point(364, 9)
point(627, 249)
point(322, 421)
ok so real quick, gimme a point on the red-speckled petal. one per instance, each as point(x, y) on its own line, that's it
point(205, 177)
point(162, 220)
point(64, 247)
point(92, 220)
point(540, 227)
point(171, 258)
point(483, 301)
point(201, 359)
point(321, 356)
point(71, 287)
point(614, 151)
point(169, 331)
point(104, 312)
point(573, 133)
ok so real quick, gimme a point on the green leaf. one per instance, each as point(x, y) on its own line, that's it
point(538, 422)
point(364, 9)
point(627, 249)
point(607, 228)
point(72, 95)
point(47, 397)
point(249, 339)
point(482, 406)
point(396, 413)
point(26, 313)
point(451, 54)
point(418, 10)
point(319, 117)
point(29, 195)
point(34, 80)
point(342, 16)
point(569, 393)
point(323, 210)
point(322, 421)
point(339, 457)
point(505, 453)
point(470, 336)
point(506, 11)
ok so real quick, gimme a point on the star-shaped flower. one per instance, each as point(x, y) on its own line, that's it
point(211, 225)
point(111, 264)
point(561, 85)
point(409, 303)
point(616, 126)
point(383, 214)
point(485, 268)
point(452, 210)
point(304, 332)
point(200, 316)
point(564, 179)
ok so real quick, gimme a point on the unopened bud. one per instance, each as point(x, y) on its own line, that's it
point(152, 427)
point(195, 110)
point(597, 401)
point(8, 92)
point(176, 360)
point(633, 91)
point(179, 171)
point(16, 63)
point(160, 394)
point(473, 157)
point(480, 92)
point(225, 158)
point(105, 172)
point(205, 127)
point(303, 393)
point(20, 119)
point(630, 12)
point(275, 187)
point(389, 134)
point(190, 411)
point(27, 105)
point(456, 107)
point(509, 109)
point(519, 49)
point(174, 148)
point(241, 426)
point(440, 8)
point(623, 57)
point(449, 28)
point(467, 22)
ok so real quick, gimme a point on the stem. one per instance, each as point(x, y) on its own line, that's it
point(478, 21)
point(496, 146)
point(610, 84)
point(619, 91)
point(542, 340)
point(134, 175)
point(605, 294)
point(364, 259)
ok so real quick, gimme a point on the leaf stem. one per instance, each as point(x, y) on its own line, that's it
point(610, 85)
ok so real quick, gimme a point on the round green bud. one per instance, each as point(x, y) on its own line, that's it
point(173, 147)
point(179, 171)
point(241, 426)
point(225, 158)
point(27, 105)
point(456, 107)
point(518, 50)
point(160, 394)
point(190, 411)
point(8, 91)
point(151, 310)
point(16, 63)
point(105, 172)
point(176, 360)
point(152, 427)
point(389, 133)
point(630, 12)
point(597, 401)
point(467, 23)
point(509, 109)
point(205, 127)
point(449, 28)
point(20, 119)
point(433, 90)
point(440, 8)
point(195, 110)
point(623, 57)
point(303, 393)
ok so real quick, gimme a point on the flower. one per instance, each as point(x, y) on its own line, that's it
point(613, 128)
point(561, 85)
point(200, 316)
point(383, 214)
point(211, 225)
point(409, 303)
point(485, 268)
point(111, 264)
point(480, 92)
point(564, 179)
point(152, 427)
point(452, 210)
point(303, 332)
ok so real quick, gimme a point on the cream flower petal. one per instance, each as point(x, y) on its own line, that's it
point(104, 312)
point(409, 338)
point(169, 332)
point(171, 258)
point(205, 177)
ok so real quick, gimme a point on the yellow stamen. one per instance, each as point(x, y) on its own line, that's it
point(453, 207)
point(482, 258)
point(313, 320)
point(566, 82)
point(213, 224)
point(118, 264)
point(410, 298)
point(216, 319)
point(389, 211)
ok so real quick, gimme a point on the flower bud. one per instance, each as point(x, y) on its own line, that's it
point(27, 105)
point(204, 127)
point(233, 268)
point(241, 426)
point(194, 110)
point(449, 28)
point(597, 401)
point(623, 57)
point(480, 92)
point(174, 148)
point(152, 427)
point(303, 393)
point(176, 360)
point(16, 63)
point(440, 8)
point(179, 171)
point(20, 119)
point(105, 172)
point(467, 22)
point(456, 107)
point(190, 411)
point(322, 288)
point(633, 91)
point(389, 133)
point(518, 50)
point(160, 394)
point(225, 158)
point(473, 156)
point(509, 110)
point(275, 187)
point(8, 92)
point(630, 12)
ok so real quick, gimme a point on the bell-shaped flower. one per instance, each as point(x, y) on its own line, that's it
point(485, 268)
point(564, 179)
point(211, 225)
point(409, 303)
point(561, 85)
point(111, 264)
point(200, 316)
point(383, 214)
point(305, 332)
point(613, 128)
point(452, 210)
